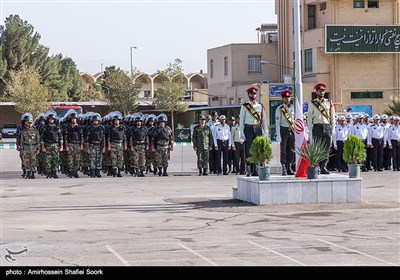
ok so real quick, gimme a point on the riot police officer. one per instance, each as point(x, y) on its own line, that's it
point(162, 143)
point(95, 145)
point(52, 143)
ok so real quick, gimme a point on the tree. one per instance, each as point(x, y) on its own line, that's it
point(27, 91)
point(170, 96)
point(19, 45)
point(120, 90)
point(394, 108)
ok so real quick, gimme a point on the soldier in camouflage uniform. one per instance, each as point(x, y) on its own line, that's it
point(95, 143)
point(30, 144)
point(39, 124)
point(138, 144)
point(202, 144)
point(51, 142)
point(73, 139)
point(19, 129)
point(150, 155)
point(62, 123)
point(116, 139)
point(161, 143)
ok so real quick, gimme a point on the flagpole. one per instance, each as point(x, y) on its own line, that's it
point(300, 134)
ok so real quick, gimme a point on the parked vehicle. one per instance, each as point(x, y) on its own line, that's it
point(62, 108)
point(9, 130)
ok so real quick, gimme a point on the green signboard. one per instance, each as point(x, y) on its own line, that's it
point(362, 39)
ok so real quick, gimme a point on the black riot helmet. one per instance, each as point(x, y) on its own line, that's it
point(73, 115)
point(26, 117)
point(162, 118)
point(96, 117)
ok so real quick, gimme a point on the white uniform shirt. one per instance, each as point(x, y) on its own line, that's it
point(222, 132)
point(360, 130)
point(375, 131)
point(247, 118)
point(236, 134)
point(315, 116)
point(280, 119)
point(393, 133)
point(341, 134)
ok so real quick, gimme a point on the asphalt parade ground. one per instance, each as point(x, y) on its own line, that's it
point(188, 220)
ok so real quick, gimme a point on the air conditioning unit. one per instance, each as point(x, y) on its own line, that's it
point(274, 37)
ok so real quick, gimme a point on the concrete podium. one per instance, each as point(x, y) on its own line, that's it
point(279, 189)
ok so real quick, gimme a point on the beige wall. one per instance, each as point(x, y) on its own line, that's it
point(343, 73)
point(230, 88)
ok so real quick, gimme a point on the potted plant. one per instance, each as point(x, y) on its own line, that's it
point(261, 154)
point(314, 152)
point(354, 155)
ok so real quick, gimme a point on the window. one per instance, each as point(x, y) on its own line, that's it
point(358, 4)
point(311, 17)
point(212, 68)
point(368, 94)
point(226, 66)
point(308, 67)
point(322, 6)
point(254, 64)
point(373, 4)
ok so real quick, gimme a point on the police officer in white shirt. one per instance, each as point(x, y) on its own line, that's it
point(253, 123)
point(342, 131)
point(393, 138)
point(387, 153)
point(238, 147)
point(376, 134)
point(222, 143)
point(360, 129)
point(212, 155)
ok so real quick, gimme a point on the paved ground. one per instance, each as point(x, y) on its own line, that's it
point(189, 221)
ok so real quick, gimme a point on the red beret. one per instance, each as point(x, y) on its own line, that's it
point(320, 86)
point(252, 90)
point(286, 93)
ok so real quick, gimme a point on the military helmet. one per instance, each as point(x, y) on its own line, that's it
point(162, 118)
point(151, 118)
point(41, 117)
point(51, 114)
point(26, 116)
point(95, 117)
point(73, 115)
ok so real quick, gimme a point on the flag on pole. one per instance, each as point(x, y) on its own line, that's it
point(300, 141)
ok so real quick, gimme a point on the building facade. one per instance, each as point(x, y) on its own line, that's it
point(351, 45)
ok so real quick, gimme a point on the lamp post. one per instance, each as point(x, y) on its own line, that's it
point(132, 47)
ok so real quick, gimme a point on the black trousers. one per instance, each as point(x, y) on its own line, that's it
point(324, 132)
point(396, 154)
point(340, 164)
point(287, 145)
point(387, 157)
point(212, 159)
point(239, 157)
point(377, 153)
point(222, 149)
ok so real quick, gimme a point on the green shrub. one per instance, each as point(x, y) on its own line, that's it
point(260, 151)
point(314, 152)
point(354, 150)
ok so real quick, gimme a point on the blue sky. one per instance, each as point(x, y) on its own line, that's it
point(96, 32)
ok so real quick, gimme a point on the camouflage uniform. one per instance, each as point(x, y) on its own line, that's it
point(19, 148)
point(51, 140)
point(138, 140)
point(30, 143)
point(117, 142)
point(95, 141)
point(162, 142)
point(202, 140)
point(73, 140)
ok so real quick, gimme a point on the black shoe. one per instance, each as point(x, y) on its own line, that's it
point(159, 171)
point(200, 172)
point(205, 172)
point(55, 175)
point(380, 169)
point(324, 171)
point(225, 173)
point(119, 172)
point(32, 175)
point(97, 173)
point(165, 172)
point(76, 175)
point(254, 174)
point(284, 173)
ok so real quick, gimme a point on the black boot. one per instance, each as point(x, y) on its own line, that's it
point(114, 172)
point(23, 173)
point(132, 171)
point(55, 174)
point(91, 173)
point(155, 171)
point(98, 175)
point(147, 169)
point(119, 172)
point(159, 171)
point(110, 171)
point(141, 174)
point(135, 172)
point(165, 172)
point(27, 174)
point(284, 172)
point(32, 175)
point(289, 169)
point(200, 172)
point(49, 174)
point(205, 171)
point(76, 175)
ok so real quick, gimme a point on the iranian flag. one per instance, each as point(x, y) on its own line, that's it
point(300, 141)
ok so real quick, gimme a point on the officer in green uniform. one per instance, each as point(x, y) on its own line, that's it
point(284, 116)
point(73, 140)
point(202, 144)
point(30, 144)
point(52, 143)
point(321, 121)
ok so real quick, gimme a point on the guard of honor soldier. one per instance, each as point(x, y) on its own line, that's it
point(253, 123)
point(285, 132)
point(321, 121)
